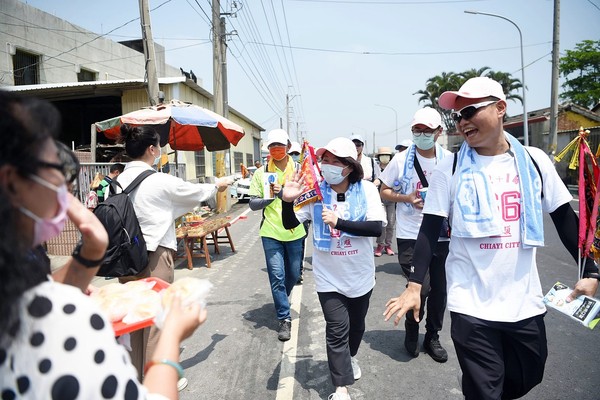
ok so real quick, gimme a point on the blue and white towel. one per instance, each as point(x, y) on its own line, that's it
point(475, 214)
point(405, 182)
point(356, 201)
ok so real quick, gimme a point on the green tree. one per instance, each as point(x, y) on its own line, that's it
point(581, 69)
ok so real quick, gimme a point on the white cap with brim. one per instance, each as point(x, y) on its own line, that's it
point(427, 116)
point(356, 136)
point(277, 136)
point(295, 148)
point(475, 88)
point(339, 147)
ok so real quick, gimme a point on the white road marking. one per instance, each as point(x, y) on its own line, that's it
point(287, 372)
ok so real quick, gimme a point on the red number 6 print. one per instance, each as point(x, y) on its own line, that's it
point(511, 206)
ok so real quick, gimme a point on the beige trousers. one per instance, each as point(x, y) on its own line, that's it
point(143, 341)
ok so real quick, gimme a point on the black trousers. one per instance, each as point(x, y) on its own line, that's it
point(345, 326)
point(499, 360)
point(433, 290)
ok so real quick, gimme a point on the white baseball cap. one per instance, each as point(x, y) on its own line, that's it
point(406, 143)
point(427, 116)
point(339, 147)
point(277, 136)
point(356, 136)
point(295, 148)
point(475, 88)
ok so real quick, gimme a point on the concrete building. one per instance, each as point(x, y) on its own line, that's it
point(91, 78)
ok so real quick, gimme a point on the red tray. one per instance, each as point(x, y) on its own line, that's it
point(122, 328)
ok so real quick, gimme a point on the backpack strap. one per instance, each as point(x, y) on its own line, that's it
point(372, 170)
point(454, 163)
point(538, 170)
point(131, 187)
point(420, 172)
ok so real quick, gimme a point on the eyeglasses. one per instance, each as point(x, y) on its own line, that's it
point(427, 133)
point(358, 144)
point(295, 153)
point(469, 111)
point(69, 165)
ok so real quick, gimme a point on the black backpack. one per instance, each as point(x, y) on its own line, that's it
point(126, 254)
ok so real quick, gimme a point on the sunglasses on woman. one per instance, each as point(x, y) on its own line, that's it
point(68, 166)
point(469, 111)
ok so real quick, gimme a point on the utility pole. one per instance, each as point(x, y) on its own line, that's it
point(219, 95)
point(149, 53)
point(554, 85)
point(287, 113)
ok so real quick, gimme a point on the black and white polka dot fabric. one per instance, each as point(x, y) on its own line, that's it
point(65, 349)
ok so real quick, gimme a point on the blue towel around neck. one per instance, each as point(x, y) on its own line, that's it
point(474, 212)
point(357, 207)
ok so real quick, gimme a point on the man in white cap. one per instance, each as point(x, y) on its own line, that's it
point(495, 196)
point(369, 168)
point(405, 182)
point(282, 247)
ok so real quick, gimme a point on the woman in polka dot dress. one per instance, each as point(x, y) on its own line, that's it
point(55, 343)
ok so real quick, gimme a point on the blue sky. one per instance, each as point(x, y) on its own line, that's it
point(337, 59)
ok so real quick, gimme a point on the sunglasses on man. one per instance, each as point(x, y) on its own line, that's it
point(469, 111)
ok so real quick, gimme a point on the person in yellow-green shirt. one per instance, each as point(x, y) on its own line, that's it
point(282, 247)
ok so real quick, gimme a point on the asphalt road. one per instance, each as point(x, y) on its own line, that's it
point(235, 355)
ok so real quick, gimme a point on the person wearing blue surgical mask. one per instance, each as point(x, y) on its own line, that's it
point(344, 224)
point(405, 182)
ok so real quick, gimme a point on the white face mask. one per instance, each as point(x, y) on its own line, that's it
point(45, 229)
point(384, 159)
point(333, 174)
point(157, 159)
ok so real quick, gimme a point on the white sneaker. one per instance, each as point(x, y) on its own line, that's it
point(339, 396)
point(356, 369)
point(182, 384)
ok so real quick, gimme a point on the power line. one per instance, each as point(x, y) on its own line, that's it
point(382, 53)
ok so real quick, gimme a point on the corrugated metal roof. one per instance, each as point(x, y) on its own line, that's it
point(75, 90)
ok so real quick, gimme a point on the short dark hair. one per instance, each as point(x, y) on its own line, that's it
point(117, 167)
point(357, 170)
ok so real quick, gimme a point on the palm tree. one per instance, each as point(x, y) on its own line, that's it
point(434, 88)
point(511, 86)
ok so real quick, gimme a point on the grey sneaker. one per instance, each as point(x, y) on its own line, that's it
point(355, 369)
point(285, 328)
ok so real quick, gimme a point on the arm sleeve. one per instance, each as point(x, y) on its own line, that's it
point(360, 228)
point(567, 225)
point(288, 216)
point(425, 246)
point(258, 203)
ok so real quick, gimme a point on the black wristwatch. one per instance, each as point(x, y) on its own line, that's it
point(84, 261)
point(594, 275)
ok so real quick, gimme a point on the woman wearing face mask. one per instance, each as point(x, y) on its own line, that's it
point(384, 241)
point(54, 340)
point(403, 182)
point(345, 222)
point(158, 200)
